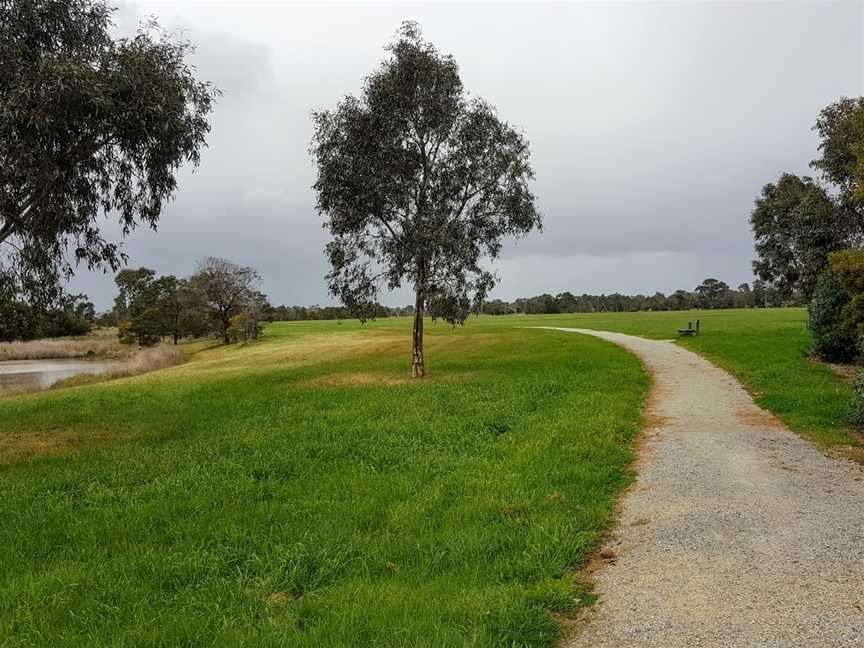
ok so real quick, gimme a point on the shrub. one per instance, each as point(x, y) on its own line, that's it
point(244, 327)
point(17, 322)
point(858, 399)
point(833, 339)
point(848, 265)
point(63, 323)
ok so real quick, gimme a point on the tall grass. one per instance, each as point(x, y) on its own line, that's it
point(65, 348)
point(145, 361)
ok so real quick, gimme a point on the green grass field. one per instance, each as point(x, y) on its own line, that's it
point(302, 491)
point(768, 350)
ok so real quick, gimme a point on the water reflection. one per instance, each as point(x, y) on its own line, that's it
point(27, 375)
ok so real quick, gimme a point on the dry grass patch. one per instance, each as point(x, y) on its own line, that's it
point(304, 350)
point(145, 361)
point(16, 447)
point(66, 348)
point(754, 417)
point(314, 349)
point(370, 379)
point(278, 598)
point(357, 379)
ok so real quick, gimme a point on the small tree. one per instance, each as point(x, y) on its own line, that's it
point(227, 289)
point(89, 125)
point(193, 318)
point(244, 328)
point(418, 183)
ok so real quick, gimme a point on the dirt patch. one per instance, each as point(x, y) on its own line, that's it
point(846, 371)
point(278, 598)
point(651, 417)
point(754, 417)
point(372, 379)
point(653, 420)
point(852, 453)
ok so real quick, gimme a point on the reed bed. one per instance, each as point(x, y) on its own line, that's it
point(145, 361)
point(64, 348)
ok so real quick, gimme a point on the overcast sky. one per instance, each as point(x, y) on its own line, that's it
point(652, 127)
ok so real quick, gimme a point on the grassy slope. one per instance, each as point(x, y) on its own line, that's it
point(767, 349)
point(272, 495)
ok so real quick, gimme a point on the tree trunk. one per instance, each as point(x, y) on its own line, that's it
point(418, 367)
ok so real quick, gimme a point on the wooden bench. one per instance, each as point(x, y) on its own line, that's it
point(689, 331)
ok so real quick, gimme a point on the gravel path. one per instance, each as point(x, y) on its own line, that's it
point(736, 533)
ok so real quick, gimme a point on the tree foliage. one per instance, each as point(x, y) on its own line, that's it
point(228, 289)
point(848, 266)
point(567, 302)
point(713, 293)
point(89, 125)
point(149, 307)
point(796, 224)
point(418, 184)
point(840, 127)
point(832, 339)
point(21, 321)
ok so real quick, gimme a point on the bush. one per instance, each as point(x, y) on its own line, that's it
point(848, 265)
point(18, 321)
point(244, 328)
point(63, 323)
point(833, 339)
point(858, 399)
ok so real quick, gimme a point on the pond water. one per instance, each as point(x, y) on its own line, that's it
point(16, 375)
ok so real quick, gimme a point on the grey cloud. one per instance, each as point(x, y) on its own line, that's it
point(653, 126)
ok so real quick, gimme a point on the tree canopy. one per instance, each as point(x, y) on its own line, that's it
point(227, 289)
point(796, 224)
point(840, 127)
point(713, 293)
point(418, 183)
point(89, 126)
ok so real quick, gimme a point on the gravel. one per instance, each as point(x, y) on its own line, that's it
point(736, 533)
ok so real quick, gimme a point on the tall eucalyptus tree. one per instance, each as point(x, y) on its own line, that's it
point(90, 126)
point(418, 183)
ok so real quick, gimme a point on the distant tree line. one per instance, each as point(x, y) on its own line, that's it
point(305, 313)
point(711, 293)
